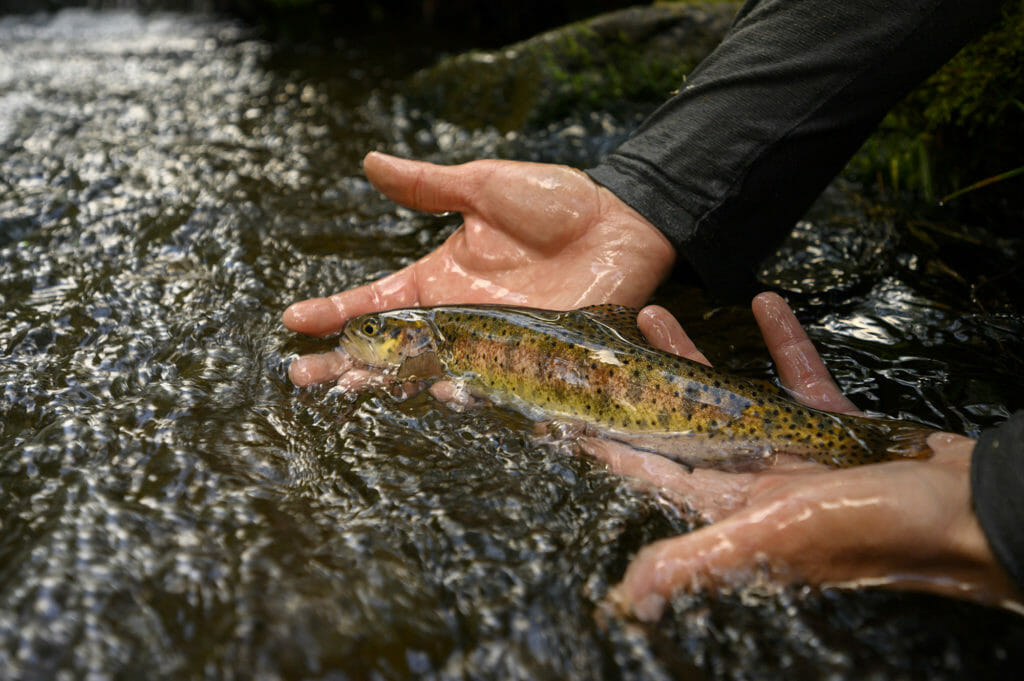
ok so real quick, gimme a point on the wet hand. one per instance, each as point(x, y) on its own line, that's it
point(533, 234)
point(906, 525)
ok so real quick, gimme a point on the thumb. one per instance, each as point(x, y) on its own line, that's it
point(728, 551)
point(420, 185)
point(664, 568)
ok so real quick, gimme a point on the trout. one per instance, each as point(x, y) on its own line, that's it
point(592, 366)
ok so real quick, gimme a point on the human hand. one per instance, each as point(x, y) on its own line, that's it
point(534, 234)
point(901, 525)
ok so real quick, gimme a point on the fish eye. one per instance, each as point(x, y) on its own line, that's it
point(370, 327)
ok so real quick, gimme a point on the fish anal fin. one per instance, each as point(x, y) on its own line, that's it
point(697, 451)
point(562, 428)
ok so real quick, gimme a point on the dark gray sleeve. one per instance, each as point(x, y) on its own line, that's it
point(997, 491)
point(728, 164)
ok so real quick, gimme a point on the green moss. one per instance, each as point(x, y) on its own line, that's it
point(586, 71)
point(637, 55)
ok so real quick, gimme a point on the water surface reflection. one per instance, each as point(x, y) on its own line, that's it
point(171, 508)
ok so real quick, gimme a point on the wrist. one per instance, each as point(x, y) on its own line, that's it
point(981, 576)
point(642, 232)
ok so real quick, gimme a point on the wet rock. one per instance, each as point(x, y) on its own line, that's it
point(632, 55)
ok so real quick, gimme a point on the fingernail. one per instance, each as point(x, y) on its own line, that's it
point(646, 609)
point(296, 313)
point(649, 608)
point(299, 373)
point(315, 317)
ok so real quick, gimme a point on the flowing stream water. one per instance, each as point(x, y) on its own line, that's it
point(171, 507)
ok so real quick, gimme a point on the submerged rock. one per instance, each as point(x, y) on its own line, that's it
point(632, 55)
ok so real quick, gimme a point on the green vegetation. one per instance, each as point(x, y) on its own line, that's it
point(960, 128)
point(588, 71)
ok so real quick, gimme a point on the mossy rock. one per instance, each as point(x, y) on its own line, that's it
point(634, 55)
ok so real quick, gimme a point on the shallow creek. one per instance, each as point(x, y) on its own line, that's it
point(171, 507)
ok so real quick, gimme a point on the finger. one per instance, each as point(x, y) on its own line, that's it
point(454, 395)
point(799, 365)
point(321, 368)
point(665, 333)
point(358, 379)
point(726, 552)
point(421, 185)
point(713, 494)
point(324, 316)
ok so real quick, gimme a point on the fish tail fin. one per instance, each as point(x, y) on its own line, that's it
point(892, 440)
point(881, 439)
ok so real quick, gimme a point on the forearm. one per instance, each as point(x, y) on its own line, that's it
point(727, 165)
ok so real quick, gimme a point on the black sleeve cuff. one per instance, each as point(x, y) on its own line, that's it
point(997, 488)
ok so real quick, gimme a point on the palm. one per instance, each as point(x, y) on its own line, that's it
point(534, 234)
point(804, 521)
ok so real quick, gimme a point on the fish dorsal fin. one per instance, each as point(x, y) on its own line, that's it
point(769, 387)
point(618, 318)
